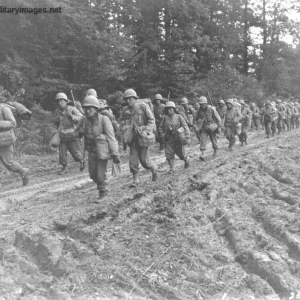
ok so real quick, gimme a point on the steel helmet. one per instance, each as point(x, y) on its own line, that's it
point(61, 96)
point(242, 101)
point(221, 101)
point(90, 101)
point(230, 101)
point(170, 104)
point(158, 97)
point(130, 93)
point(91, 92)
point(252, 104)
point(278, 101)
point(203, 100)
point(184, 101)
point(268, 102)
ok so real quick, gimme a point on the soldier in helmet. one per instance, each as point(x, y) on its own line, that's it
point(246, 122)
point(281, 115)
point(270, 118)
point(297, 119)
point(7, 140)
point(141, 126)
point(158, 111)
point(65, 118)
point(168, 128)
point(221, 110)
point(232, 118)
point(255, 116)
point(187, 111)
point(99, 141)
point(208, 124)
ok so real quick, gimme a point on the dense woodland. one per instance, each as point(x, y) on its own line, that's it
point(248, 48)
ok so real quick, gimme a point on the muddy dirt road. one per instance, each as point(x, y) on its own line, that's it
point(227, 228)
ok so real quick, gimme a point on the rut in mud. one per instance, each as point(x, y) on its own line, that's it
point(226, 228)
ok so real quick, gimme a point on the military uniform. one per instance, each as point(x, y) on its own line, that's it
point(141, 115)
point(168, 129)
point(289, 113)
point(188, 114)
point(8, 123)
point(158, 111)
point(246, 123)
point(255, 116)
point(281, 116)
point(270, 119)
point(232, 117)
point(66, 120)
point(221, 110)
point(101, 144)
point(204, 119)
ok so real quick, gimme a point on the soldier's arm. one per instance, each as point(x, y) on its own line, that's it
point(79, 131)
point(150, 118)
point(161, 126)
point(10, 121)
point(185, 127)
point(217, 118)
point(238, 116)
point(110, 135)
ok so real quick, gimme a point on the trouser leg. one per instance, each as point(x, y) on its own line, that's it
point(73, 148)
point(203, 140)
point(273, 127)
point(133, 158)
point(230, 136)
point(268, 127)
point(63, 153)
point(144, 158)
point(7, 158)
point(98, 171)
point(213, 139)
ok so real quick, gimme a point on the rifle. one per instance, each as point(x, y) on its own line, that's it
point(73, 99)
point(82, 154)
point(209, 97)
point(169, 96)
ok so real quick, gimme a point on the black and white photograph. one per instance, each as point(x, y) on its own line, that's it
point(149, 149)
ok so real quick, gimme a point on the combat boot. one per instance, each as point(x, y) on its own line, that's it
point(230, 148)
point(202, 155)
point(136, 180)
point(186, 162)
point(215, 152)
point(24, 176)
point(154, 174)
point(171, 164)
point(63, 170)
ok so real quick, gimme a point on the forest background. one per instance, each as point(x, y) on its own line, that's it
point(216, 48)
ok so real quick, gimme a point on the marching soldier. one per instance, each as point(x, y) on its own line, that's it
point(7, 140)
point(100, 142)
point(246, 122)
point(187, 111)
point(232, 118)
point(208, 123)
point(289, 113)
point(65, 117)
point(255, 116)
point(169, 131)
point(270, 117)
point(281, 115)
point(221, 110)
point(139, 133)
point(297, 119)
point(158, 111)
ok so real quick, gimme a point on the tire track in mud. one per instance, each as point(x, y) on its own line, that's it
point(104, 235)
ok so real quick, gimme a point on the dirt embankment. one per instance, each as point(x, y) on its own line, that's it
point(227, 228)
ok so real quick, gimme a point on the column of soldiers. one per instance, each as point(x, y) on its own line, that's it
point(93, 127)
